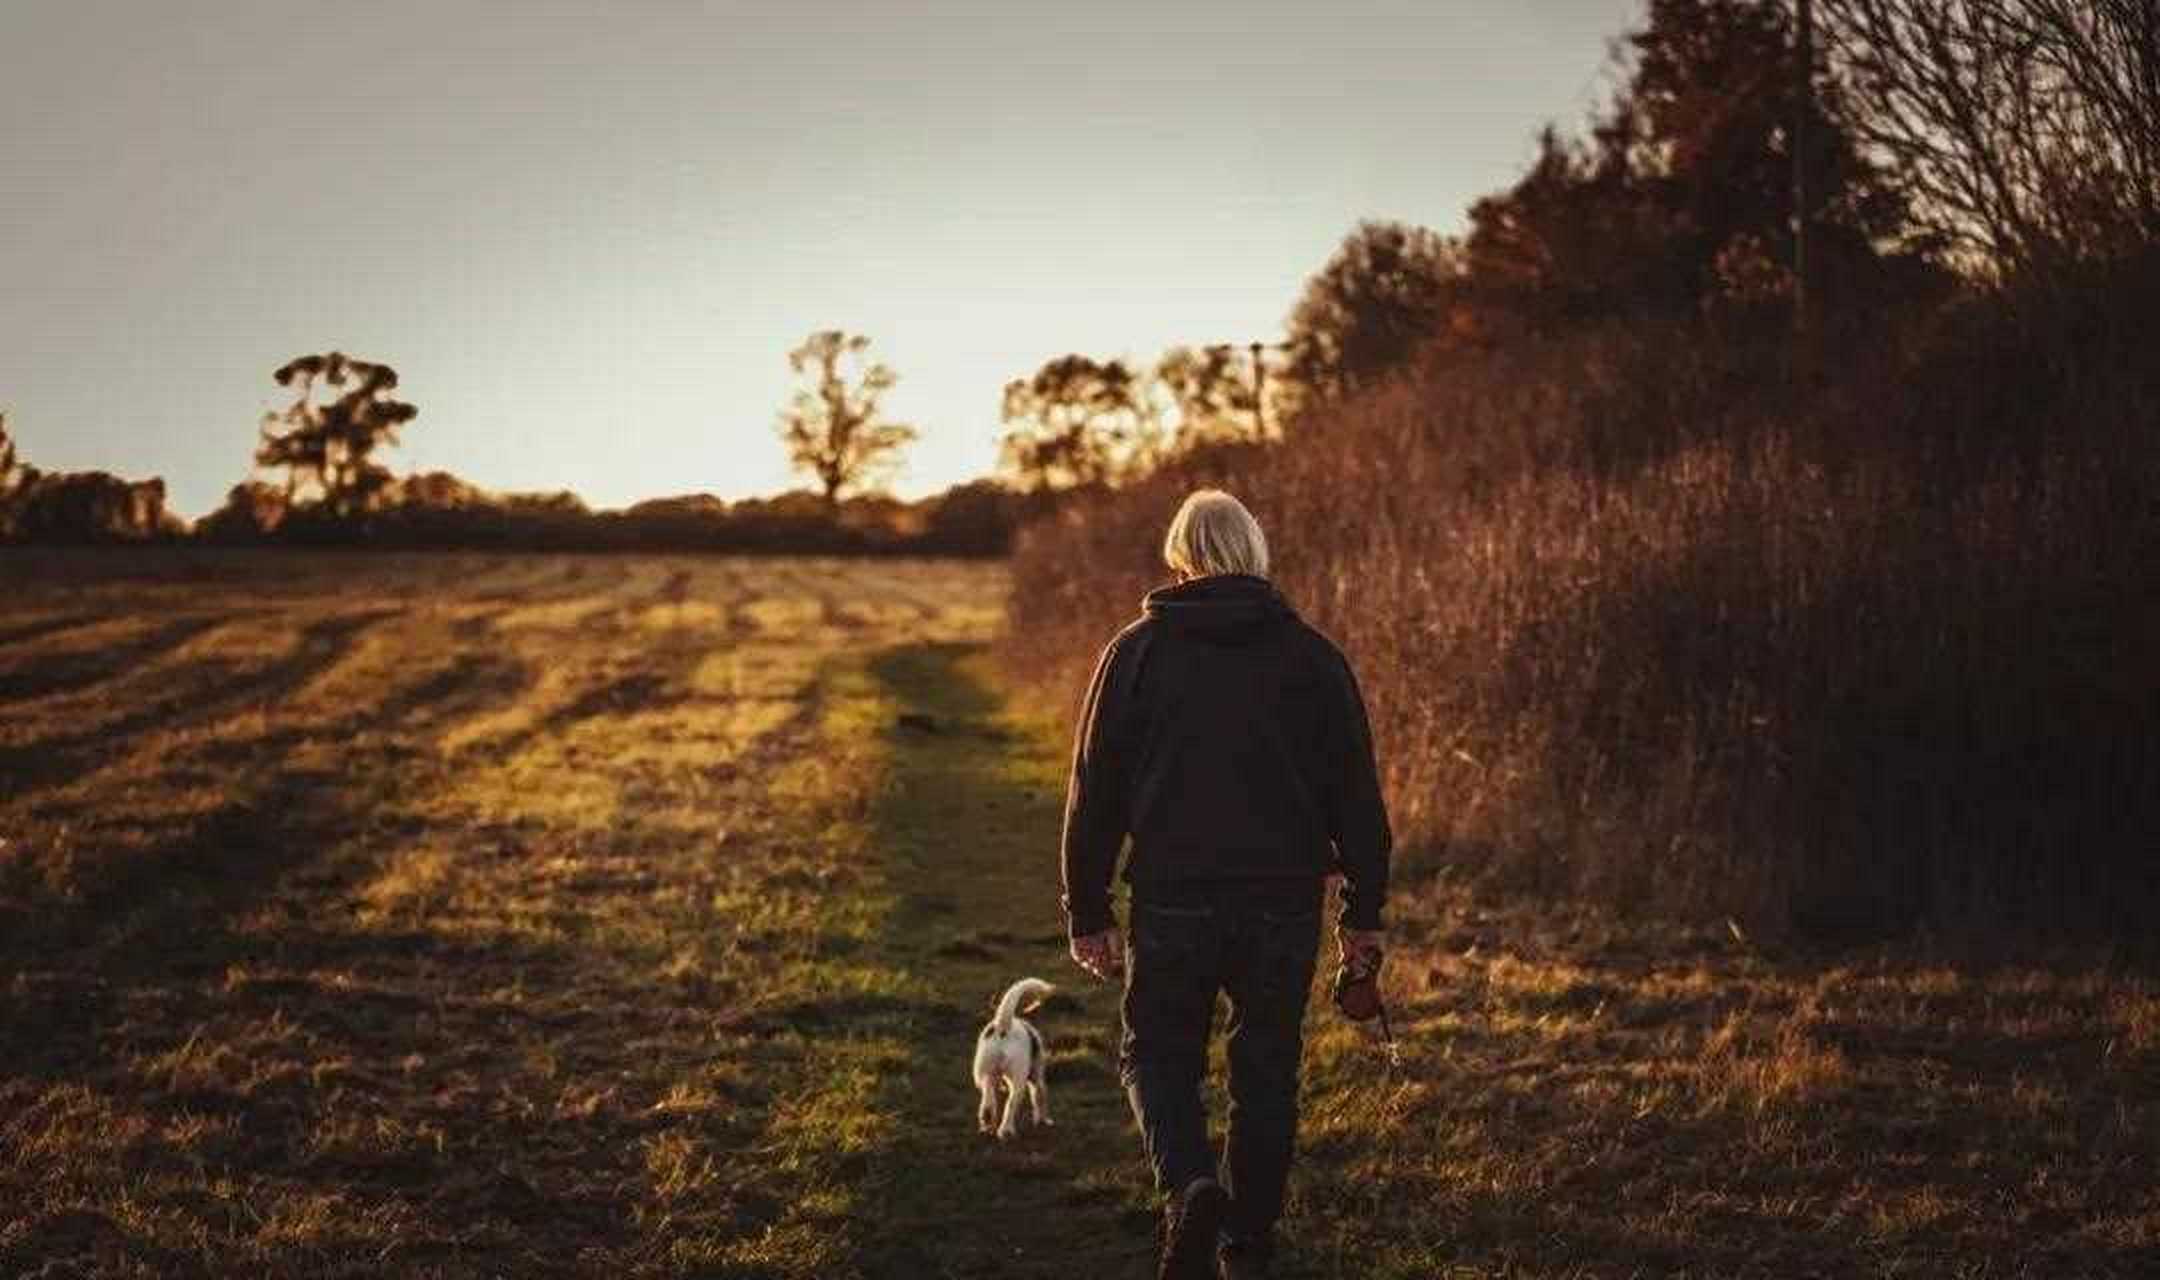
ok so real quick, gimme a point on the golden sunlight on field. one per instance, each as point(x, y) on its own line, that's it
point(467, 916)
point(370, 913)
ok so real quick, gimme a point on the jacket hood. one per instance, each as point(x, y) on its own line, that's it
point(1227, 608)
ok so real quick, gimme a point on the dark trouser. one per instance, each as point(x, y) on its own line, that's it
point(1259, 947)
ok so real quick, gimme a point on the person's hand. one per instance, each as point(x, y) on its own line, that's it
point(1360, 948)
point(1102, 954)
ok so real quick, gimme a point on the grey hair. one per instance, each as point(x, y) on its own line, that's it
point(1214, 533)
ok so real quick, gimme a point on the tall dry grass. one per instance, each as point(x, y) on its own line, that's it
point(1642, 618)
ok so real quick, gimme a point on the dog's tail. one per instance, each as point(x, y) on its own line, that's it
point(1027, 991)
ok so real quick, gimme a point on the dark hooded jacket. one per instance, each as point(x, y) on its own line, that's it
point(1228, 739)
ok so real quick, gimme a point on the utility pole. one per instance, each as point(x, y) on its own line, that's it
point(1803, 102)
point(1259, 352)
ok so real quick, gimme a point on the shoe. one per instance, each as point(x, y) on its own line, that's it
point(1235, 1262)
point(1196, 1220)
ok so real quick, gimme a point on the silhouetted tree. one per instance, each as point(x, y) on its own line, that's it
point(1079, 421)
point(329, 446)
point(832, 429)
point(1214, 390)
point(13, 471)
point(1682, 194)
point(1575, 236)
point(91, 506)
point(974, 518)
point(2025, 133)
point(77, 506)
point(560, 502)
point(437, 490)
point(252, 511)
point(16, 477)
point(1362, 315)
point(1712, 103)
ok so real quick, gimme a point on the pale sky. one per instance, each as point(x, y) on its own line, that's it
point(587, 234)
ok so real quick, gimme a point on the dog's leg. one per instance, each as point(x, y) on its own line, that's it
point(1038, 1085)
point(986, 1112)
point(1039, 1097)
point(1010, 1125)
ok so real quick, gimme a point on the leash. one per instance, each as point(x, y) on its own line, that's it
point(1358, 998)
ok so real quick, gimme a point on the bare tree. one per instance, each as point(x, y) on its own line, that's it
point(329, 447)
point(832, 429)
point(2026, 133)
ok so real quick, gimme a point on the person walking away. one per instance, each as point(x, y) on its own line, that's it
point(1228, 739)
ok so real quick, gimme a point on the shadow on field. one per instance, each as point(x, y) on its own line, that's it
point(966, 828)
point(42, 627)
point(1670, 1105)
point(192, 694)
point(206, 1035)
point(1608, 1101)
point(69, 671)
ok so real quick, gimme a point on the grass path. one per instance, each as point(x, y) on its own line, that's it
point(968, 824)
point(878, 1150)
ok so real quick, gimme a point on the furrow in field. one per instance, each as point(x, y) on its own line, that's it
point(225, 674)
point(913, 601)
point(197, 795)
point(430, 941)
point(518, 579)
point(49, 625)
point(782, 613)
point(852, 599)
point(321, 644)
point(91, 657)
point(566, 614)
point(471, 685)
point(415, 677)
point(569, 686)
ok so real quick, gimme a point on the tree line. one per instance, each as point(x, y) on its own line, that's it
point(1928, 149)
point(1749, 513)
point(318, 479)
point(1921, 149)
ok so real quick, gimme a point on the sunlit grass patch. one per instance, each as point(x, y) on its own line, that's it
point(77, 642)
point(783, 614)
point(71, 1124)
point(892, 618)
point(553, 615)
point(245, 640)
point(686, 614)
point(413, 882)
point(1761, 1065)
point(692, 736)
point(563, 676)
point(536, 787)
point(756, 669)
point(959, 620)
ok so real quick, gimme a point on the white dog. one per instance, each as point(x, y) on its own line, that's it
point(1009, 1051)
